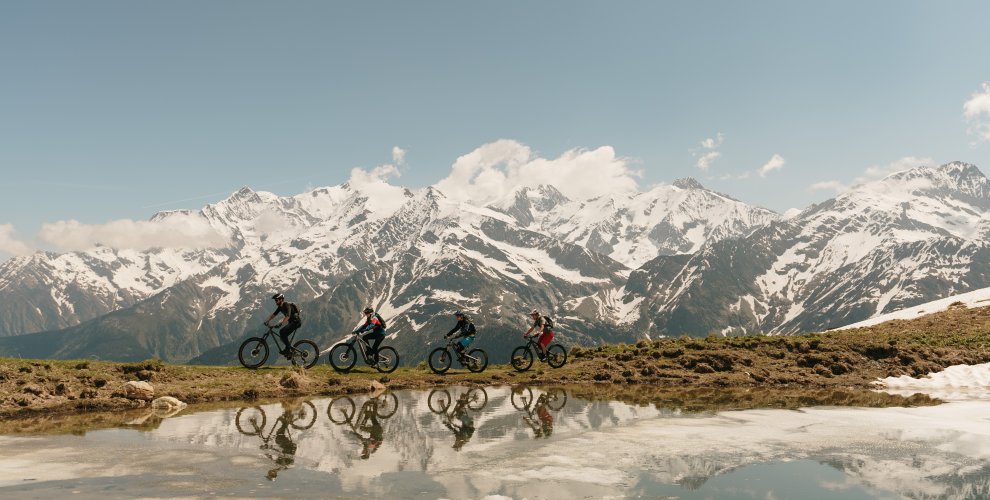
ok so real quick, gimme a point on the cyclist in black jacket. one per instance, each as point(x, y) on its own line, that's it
point(465, 331)
point(290, 318)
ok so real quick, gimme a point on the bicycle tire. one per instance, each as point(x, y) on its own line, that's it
point(308, 418)
point(439, 360)
point(438, 401)
point(253, 416)
point(522, 358)
point(556, 355)
point(388, 406)
point(388, 359)
point(556, 398)
point(253, 352)
point(307, 351)
point(480, 362)
point(477, 398)
point(521, 398)
point(343, 357)
point(344, 407)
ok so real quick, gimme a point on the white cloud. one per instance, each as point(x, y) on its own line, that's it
point(398, 155)
point(9, 244)
point(708, 152)
point(494, 170)
point(775, 163)
point(874, 172)
point(374, 184)
point(176, 231)
point(977, 112)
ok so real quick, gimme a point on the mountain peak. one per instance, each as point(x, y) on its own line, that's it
point(688, 183)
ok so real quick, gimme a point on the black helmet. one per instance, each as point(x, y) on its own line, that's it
point(278, 296)
point(368, 310)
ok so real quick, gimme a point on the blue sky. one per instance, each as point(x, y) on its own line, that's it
point(117, 109)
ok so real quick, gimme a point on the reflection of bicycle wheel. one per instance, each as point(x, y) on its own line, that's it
point(388, 404)
point(556, 398)
point(522, 358)
point(340, 410)
point(522, 397)
point(253, 352)
point(477, 398)
point(556, 356)
point(438, 401)
point(306, 353)
point(439, 360)
point(479, 361)
point(305, 417)
point(250, 421)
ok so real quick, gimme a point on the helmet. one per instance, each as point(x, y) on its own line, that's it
point(278, 296)
point(368, 310)
point(458, 313)
point(534, 312)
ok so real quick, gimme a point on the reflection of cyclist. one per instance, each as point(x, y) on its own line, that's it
point(284, 446)
point(290, 315)
point(368, 422)
point(373, 329)
point(543, 424)
point(465, 429)
point(465, 331)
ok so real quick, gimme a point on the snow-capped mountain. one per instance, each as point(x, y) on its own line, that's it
point(909, 238)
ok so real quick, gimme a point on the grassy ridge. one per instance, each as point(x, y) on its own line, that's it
point(833, 362)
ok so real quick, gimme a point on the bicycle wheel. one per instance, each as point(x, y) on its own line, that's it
point(556, 356)
point(521, 397)
point(343, 357)
point(387, 405)
point(439, 360)
point(478, 360)
point(253, 352)
point(340, 410)
point(477, 398)
point(250, 421)
point(306, 353)
point(556, 398)
point(522, 358)
point(388, 359)
point(306, 416)
point(438, 401)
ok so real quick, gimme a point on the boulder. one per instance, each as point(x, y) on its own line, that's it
point(139, 390)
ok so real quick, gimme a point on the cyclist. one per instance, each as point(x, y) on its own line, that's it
point(290, 318)
point(465, 331)
point(375, 328)
point(543, 326)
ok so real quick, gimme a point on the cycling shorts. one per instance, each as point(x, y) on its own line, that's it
point(545, 338)
point(466, 341)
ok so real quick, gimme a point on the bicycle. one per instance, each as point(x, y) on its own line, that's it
point(522, 356)
point(278, 441)
point(254, 351)
point(383, 406)
point(441, 358)
point(457, 414)
point(343, 356)
point(522, 398)
point(440, 400)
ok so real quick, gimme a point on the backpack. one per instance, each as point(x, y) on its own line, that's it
point(381, 320)
point(547, 323)
point(297, 316)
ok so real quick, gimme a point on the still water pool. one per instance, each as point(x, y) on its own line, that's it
point(502, 442)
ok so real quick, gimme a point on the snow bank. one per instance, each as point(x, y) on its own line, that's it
point(955, 383)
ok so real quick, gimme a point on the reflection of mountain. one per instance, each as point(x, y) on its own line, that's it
point(604, 447)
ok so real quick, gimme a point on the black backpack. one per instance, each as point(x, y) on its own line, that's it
point(295, 314)
point(381, 320)
point(547, 322)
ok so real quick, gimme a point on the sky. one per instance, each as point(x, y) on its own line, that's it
point(111, 111)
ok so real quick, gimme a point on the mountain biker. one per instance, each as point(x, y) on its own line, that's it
point(465, 331)
point(541, 325)
point(290, 318)
point(373, 324)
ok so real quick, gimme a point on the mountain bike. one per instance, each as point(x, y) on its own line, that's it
point(277, 443)
point(254, 351)
point(537, 413)
point(343, 356)
point(523, 356)
point(440, 400)
point(341, 410)
point(522, 398)
point(441, 358)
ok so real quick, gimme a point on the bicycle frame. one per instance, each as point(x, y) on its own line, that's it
point(364, 347)
point(462, 355)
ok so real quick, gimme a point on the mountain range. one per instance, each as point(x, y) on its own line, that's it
point(673, 260)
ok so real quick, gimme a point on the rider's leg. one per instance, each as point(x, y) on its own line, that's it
point(375, 340)
point(285, 332)
point(544, 341)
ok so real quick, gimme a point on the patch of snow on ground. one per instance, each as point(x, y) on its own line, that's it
point(959, 382)
point(976, 298)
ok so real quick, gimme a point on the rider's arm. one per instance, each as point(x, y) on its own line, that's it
point(456, 327)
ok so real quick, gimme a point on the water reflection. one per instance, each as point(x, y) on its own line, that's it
point(521, 441)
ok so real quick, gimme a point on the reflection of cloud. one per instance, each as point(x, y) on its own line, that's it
point(494, 170)
point(176, 231)
point(9, 244)
point(977, 113)
point(872, 173)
